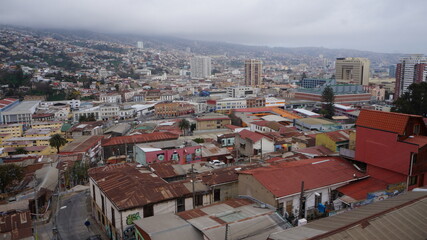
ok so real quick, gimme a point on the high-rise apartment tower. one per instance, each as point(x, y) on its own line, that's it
point(200, 67)
point(253, 72)
point(411, 69)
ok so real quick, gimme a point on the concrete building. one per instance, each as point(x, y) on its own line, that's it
point(6, 104)
point(179, 151)
point(253, 72)
point(140, 44)
point(411, 69)
point(225, 105)
point(212, 121)
point(200, 67)
point(173, 109)
point(111, 98)
point(352, 70)
point(20, 113)
point(74, 104)
point(241, 92)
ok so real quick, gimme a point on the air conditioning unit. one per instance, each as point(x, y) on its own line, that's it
point(302, 221)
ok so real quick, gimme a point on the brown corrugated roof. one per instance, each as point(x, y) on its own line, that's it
point(142, 138)
point(81, 144)
point(385, 121)
point(128, 187)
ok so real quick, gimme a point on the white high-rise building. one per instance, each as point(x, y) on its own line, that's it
point(200, 67)
point(411, 69)
point(140, 44)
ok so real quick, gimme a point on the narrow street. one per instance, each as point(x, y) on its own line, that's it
point(72, 214)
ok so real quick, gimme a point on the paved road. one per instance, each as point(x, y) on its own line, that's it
point(72, 215)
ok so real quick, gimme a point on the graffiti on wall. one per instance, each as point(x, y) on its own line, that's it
point(132, 217)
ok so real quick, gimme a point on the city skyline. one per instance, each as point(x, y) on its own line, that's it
point(362, 25)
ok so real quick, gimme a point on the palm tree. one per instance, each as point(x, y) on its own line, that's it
point(56, 141)
point(184, 125)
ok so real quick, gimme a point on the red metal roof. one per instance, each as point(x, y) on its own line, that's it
point(359, 190)
point(421, 141)
point(253, 136)
point(141, 138)
point(385, 121)
point(285, 178)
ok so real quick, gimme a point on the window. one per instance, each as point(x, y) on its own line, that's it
point(317, 199)
point(148, 211)
point(416, 129)
point(113, 217)
point(217, 195)
point(198, 201)
point(280, 208)
point(94, 193)
point(414, 157)
point(103, 205)
point(23, 217)
point(180, 205)
point(289, 207)
point(413, 180)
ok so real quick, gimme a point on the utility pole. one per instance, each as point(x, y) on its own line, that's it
point(192, 185)
point(226, 231)
point(36, 208)
point(301, 199)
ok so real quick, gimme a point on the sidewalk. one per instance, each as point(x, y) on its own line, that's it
point(94, 227)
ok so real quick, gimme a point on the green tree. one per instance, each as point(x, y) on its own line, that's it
point(83, 118)
point(184, 125)
point(74, 94)
point(56, 141)
point(10, 173)
point(414, 101)
point(20, 150)
point(199, 140)
point(328, 99)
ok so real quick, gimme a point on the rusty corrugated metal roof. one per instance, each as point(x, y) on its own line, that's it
point(142, 138)
point(129, 187)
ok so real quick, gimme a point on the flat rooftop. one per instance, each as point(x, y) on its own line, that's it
point(22, 107)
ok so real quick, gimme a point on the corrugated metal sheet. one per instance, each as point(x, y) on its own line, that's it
point(142, 138)
point(400, 217)
point(386, 121)
point(127, 187)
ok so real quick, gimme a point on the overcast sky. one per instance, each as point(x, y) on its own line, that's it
point(375, 25)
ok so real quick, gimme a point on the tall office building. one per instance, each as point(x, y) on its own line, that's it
point(200, 67)
point(253, 72)
point(411, 69)
point(140, 45)
point(352, 70)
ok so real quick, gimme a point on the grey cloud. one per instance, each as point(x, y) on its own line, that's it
point(380, 25)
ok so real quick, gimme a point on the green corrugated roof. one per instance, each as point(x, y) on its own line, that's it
point(65, 127)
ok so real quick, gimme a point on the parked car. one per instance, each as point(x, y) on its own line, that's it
point(216, 162)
